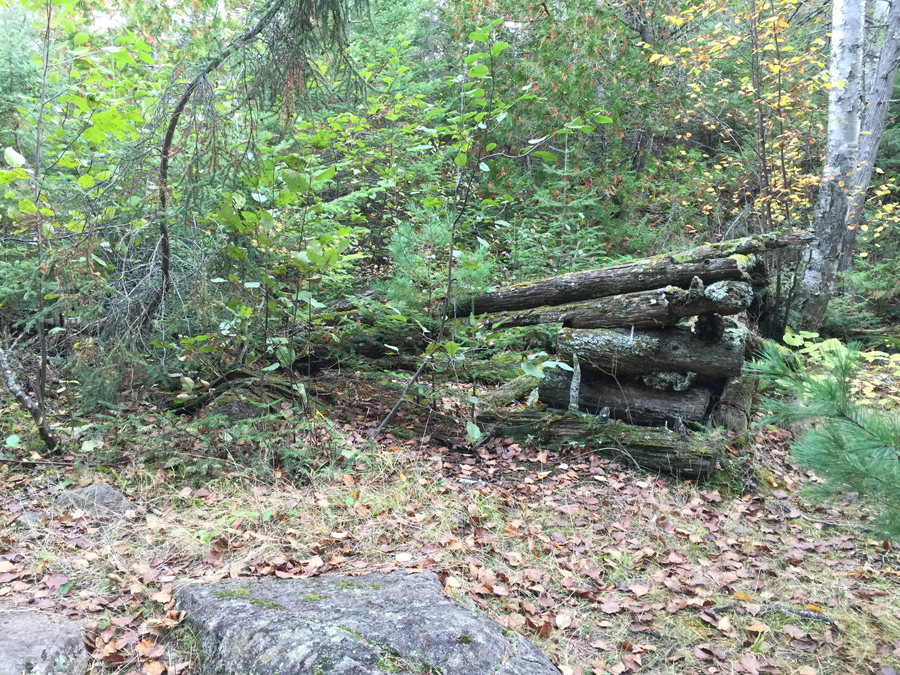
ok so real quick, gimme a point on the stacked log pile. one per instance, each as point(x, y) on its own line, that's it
point(656, 343)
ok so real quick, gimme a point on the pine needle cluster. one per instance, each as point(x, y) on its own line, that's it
point(854, 447)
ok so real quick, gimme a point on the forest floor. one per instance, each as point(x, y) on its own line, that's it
point(606, 568)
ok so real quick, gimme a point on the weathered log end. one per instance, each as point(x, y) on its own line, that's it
point(689, 455)
point(732, 412)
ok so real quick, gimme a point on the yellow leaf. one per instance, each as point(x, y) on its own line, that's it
point(740, 595)
point(863, 255)
point(864, 228)
point(655, 57)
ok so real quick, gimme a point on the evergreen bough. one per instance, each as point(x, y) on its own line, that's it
point(854, 447)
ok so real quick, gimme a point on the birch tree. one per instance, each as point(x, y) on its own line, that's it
point(845, 107)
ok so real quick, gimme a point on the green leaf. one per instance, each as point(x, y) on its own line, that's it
point(86, 181)
point(460, 160)
point(479, 36)
point(533, 370)
point(451, 347)
point(548, 156)
point(473, 433)
point(792, 339)
point(478, 71)
point(27, 206)
point(603, 119)
point(12, 441)
point(13, 158)
point(498, 47)
point(269, 369)
point(81, 38)
point(484, 167)
point(66, 587)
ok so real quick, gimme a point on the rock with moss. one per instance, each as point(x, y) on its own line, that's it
point(368, 625)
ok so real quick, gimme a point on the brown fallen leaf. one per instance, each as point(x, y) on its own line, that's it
point(747, 664)
point(154, 668)
point(794, 632)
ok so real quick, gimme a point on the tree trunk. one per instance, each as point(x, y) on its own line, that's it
point(710, 263)
point(618, 351)
point(629, 400)
point(844, 107)
point(878, 100)
point(646, 309)
point(688, 455)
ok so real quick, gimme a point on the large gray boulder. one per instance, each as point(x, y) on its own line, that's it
point(369, 625)
point(40, 644)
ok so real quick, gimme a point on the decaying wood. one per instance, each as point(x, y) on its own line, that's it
point(507, 393)
point(711, 263)
point(690, 455)
point(644, 309)
point(732, 412)
point(619, 351)
point(628, 400)
point(51, 440)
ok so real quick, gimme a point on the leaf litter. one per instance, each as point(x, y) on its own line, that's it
point(606, 569)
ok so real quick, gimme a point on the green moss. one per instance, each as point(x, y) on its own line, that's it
point(265, 603)
point(233, 594)
point(464, 639)
point(313, 598)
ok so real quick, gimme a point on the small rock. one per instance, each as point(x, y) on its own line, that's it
point(29, 519)
point(368, 625)
point(40, 644)
point(92, 498)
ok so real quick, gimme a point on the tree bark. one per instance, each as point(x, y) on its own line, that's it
point(733, 409)
point(645, 309)
point(51, 440)
point(710, 263)
point(629, 400)
point(844, 107)
point(617, 351)
point(688, 455)
point(878, 100)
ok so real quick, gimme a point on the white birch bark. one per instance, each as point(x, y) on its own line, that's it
point(880, 86)
point(844, 112)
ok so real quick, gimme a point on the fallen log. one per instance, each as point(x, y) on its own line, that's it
point(509, 392)
point(689, 455)
point(713, 262)
point(629, 400)
point(644, 309)
point(618, 351)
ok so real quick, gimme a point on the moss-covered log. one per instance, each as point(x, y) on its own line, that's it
point(618, 351)
point(509, 392)
point(692, 455)
point(714, 262)
point(629, 400)
point(644, 309)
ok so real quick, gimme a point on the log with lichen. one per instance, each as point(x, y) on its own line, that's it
point(643, 309)
point(627, 399)
point(691, 455)
point(711, 263)
point(620, 351)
